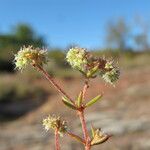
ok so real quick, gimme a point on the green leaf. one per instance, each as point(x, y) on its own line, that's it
point(93, 131)
point(79, 139)
point(93, 101)
point(68, 103)
point(92, 72)
point(79, 100)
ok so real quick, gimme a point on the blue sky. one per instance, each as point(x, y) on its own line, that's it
point(64, 22)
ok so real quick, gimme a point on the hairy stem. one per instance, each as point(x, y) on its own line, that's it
point(57, 145)
point(52, 81)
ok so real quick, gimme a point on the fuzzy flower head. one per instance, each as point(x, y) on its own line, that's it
point(76, 57)
point(30, 56)
point(111, 76)
point(55, 122)
point(110, 73)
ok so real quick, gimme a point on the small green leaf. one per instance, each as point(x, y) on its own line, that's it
point(79, 139)
point(79, 99)
point(68, 103)
point(92, 72)
point(94, 100)
point(93, 131)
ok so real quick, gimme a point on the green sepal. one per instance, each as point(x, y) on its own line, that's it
point(68, 103)
point(80, 99)
point(93, 101)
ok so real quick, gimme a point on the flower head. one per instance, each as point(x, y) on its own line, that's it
point(110, 73)
point(91, 66)
point(76, 57)
point(111, 76)
point(30, 56)
point(55, 122)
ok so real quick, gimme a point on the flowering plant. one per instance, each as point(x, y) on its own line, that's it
point(90, 67)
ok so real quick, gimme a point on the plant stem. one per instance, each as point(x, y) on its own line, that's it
point(82, 119)
point(86, 86)
point(83, 123)
point(57, 146)
point(52, 81)
point(84, 129)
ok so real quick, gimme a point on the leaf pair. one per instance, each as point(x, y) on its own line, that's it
point(79, 101)
point(75, 106)
point(91, 102)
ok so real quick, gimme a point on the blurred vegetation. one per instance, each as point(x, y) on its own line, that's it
point(12, 89)
point(117, 34)
point(122, 35)
point(22, 34)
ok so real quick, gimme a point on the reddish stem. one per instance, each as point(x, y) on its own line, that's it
point(82, 119)
point(57, 145)
point(84, 129)
point(80, 112)
point(51, 80)
point(86, 86)
point(83, 123)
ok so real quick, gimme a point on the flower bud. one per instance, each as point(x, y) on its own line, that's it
point(99, 137)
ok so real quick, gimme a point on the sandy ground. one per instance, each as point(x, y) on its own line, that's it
point(124, 112)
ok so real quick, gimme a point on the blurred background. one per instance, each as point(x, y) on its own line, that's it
point(116, 29)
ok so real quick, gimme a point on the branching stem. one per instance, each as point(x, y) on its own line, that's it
point(80, 112)
point(82, 119)
point(52, 81)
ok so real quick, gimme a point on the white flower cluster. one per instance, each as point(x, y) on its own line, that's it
point(55, 122)
point(76, 57)
point(30, 56)
point(79, 59)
